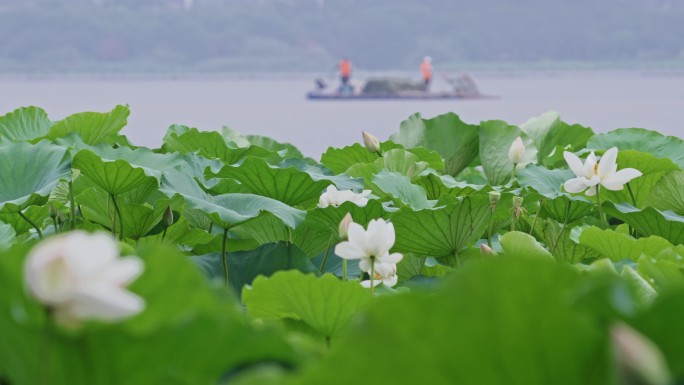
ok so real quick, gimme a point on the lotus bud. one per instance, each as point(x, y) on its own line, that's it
point(517, 151)
point(638, 359)
point(494, 197)
point(344, 226)
point(518, 210)
point(168, 217)
point(371, 142)
point(517, 202)
point(486, 250)
point(52, 211)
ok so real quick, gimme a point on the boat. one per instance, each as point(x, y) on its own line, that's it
point(383, 88)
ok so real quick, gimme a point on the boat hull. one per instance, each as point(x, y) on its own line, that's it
point(412, 96)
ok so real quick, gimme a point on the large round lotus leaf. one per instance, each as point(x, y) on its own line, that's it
point(28, 173)
point(93, 127)
point(453, 139)
point(495, 322)
point(24, 123)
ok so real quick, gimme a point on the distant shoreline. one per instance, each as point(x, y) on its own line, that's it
point(213, 76)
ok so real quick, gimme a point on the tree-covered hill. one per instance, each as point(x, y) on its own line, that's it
point(251, 35)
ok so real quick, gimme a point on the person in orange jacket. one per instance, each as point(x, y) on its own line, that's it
point(426, 70)
point(345, 71)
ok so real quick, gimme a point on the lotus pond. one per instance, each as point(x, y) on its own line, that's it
point(451, 253)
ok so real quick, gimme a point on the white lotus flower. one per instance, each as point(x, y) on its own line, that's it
point(593, 173)
point(385, 273)
point(516, 153)
point(371, 247)
point(334, 197)
point(371, 142)
point(80, 276)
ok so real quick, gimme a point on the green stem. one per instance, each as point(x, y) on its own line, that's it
point(164, 233)
point(604, 222)
point(534, 223)
point(72, 207)
point(46, 349)
point(491, 227)
point(54, 223)
point(513, 220)
point(118, 213)
point(565, 224)
point(457, 258)
point(223, 256)
point(631, 194)
point(325, 257)
point(515, 165)
point(30, 222)
point(372, 276)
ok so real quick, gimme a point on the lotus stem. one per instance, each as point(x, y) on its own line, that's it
point(372, 276)
point(562, 231)
point(72, 207)
point(491, 226)
point(30, 222)
point(118, 214)
point(631, 195)
point(223, 256)
point(602, 215)
point(325, 257)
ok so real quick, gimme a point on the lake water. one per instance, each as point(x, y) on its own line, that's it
point(277, 107)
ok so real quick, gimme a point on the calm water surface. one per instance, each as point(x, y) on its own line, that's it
point(277, 107)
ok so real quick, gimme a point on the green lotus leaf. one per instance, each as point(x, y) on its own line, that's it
point(443, 231)
point(547, 131)
point(494, 311)
point(643, 140)
point(340, 159)
point(287, 150)
point(617, 246)
point(437, 186)
point(288, 185)
point(93, 127)
point(456, 141)
point(211, 145)
point(36, 214)
point(114, 177)
point(653, 170)
point(328, 219)
point(245, 266)
point(24, 123)
point(266, 228)
point(29, 173)
point(227, 210)
point(320, 172)
point(516, 244)
point(139, 218)
point(496, 138)
point(7, 235)
point(402, 190)
point(668, 193)
point(664, 270)
point(559, 240)
point(650, 221)
point(324, 303)
point(558, 205)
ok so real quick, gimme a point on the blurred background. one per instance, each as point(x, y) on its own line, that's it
point(248, 64)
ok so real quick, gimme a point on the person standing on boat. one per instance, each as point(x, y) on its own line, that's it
point(345, 71)
point(426, 70)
